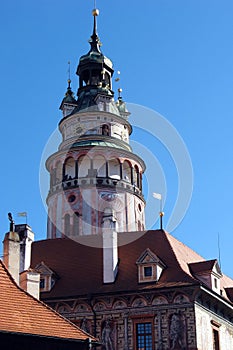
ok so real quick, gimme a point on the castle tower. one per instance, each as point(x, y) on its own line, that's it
point(94, 173)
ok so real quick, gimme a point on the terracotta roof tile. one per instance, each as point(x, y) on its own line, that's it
point(21, 313)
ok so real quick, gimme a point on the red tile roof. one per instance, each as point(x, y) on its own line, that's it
point(21, 313)
point(202, 266)
point(82, 261)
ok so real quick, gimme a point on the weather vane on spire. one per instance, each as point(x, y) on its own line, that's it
point(161, 213)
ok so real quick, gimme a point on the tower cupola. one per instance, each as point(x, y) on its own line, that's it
point(95, 71)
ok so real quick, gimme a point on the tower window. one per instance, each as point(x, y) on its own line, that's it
point(84, 164)
point(99, 163)
point(71, 198)
point(105, 130)
point(69, 168)
point(126, 170)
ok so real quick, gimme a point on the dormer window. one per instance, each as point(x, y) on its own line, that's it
point(208, 272)
point(147, 271)
point(47, 277)
point(42, 283)
point(150, 267)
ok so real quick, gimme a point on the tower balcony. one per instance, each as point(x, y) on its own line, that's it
point(98, 182)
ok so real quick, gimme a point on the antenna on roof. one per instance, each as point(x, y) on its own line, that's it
point(219, 255)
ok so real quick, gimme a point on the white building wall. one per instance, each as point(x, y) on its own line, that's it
point(204, 330)
point(59, 216)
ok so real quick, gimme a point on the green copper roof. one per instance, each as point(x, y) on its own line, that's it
point(101, 143)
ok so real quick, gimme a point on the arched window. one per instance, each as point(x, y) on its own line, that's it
point(114, 169)
point(99, 164)
point(106, 130)
point(85, 78)
point(140, 181)
point(67, 224)
point(107, 80)
point(126, 171)
point(84, 164)
point(76, 219)
point(69, 168)
point(136, 179)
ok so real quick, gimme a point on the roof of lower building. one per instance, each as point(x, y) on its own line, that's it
point(22, 313)
point(82, 260)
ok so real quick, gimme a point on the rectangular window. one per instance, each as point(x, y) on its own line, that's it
point(147, 271)
point(216, 339)
point(42, 283)
point(144, 336)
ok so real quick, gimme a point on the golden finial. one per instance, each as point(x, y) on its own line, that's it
point(95, 12)
point(119, 94)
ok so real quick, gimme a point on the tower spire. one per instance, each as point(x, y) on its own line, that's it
point(94, 40)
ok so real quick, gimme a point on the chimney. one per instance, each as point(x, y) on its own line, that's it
point(17, 257)
point(26, 238)
point(11, 254)
point(110, 249)
point(30, 282)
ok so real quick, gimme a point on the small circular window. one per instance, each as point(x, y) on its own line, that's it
point(71, 198)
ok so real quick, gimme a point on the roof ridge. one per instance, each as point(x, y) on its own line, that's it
point(169, 237)
point(183, 244)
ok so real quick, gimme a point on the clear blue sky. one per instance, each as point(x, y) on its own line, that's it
point(175, 56)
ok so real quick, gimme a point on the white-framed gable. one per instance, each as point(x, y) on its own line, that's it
point(216, 275)
point(150, 267)
point(209, 273)
point(47, 277)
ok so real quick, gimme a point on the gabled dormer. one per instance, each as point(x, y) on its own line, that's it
point(48, 277)
point(208, 272)
point(150, 267)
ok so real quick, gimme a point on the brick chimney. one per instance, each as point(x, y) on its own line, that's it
point(11, 254)
point(110, 249)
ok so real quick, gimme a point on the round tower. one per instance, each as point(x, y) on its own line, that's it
point(94, 174)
